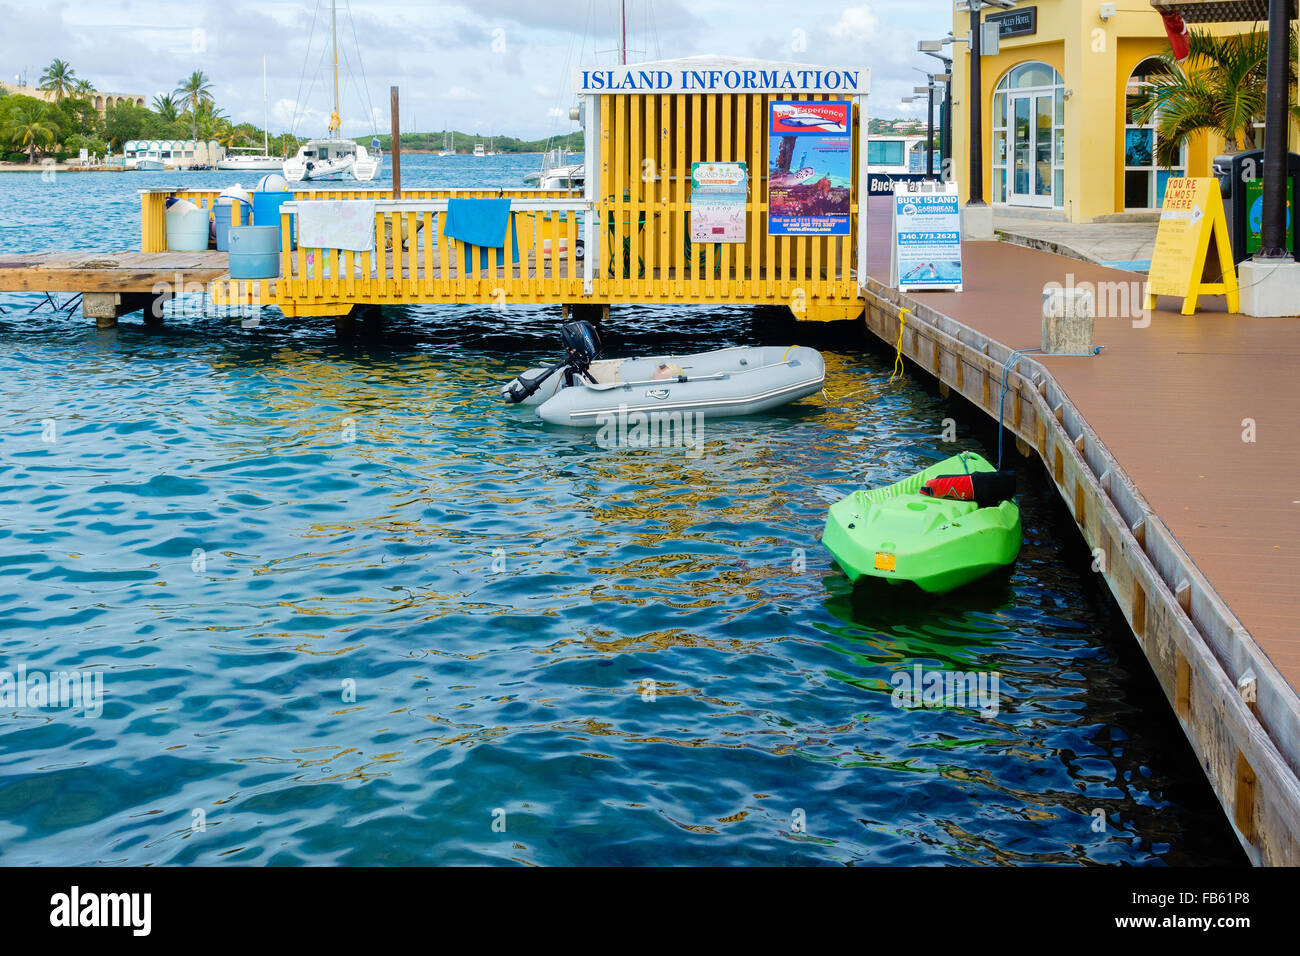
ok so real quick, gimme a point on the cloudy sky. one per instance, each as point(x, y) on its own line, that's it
point(481, 66)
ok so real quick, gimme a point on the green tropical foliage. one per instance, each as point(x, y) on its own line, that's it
point(58, 79)
point(165, 105)
point(194, 92)
point(1219, 88)
point(29, 125)
point(71, 122)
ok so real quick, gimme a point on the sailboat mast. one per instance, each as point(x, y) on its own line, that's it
point(338, 132)
point(622, 21)
point(266, 114)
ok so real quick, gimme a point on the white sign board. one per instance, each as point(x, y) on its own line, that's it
point(720, 74)
point(926, 251)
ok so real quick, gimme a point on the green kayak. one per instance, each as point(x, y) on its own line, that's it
point(899, 534)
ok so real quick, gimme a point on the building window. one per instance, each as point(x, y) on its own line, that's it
point(1144, 178)
point(1029, 137)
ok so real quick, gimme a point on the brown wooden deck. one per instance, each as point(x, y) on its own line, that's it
point(106, 271)
point(1169, 402)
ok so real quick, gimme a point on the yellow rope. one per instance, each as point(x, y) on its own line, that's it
point(898, 355)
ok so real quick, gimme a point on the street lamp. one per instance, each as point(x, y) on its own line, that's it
point(933, 48)
point(976, 99)
point(928, 90)
point(1272, 233)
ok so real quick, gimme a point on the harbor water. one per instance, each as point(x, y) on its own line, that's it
point(348, 608)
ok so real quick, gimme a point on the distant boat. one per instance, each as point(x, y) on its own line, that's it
point(557, 172)
point(256, 161)
point(446, 144)
point(334, 157)
point(480, 149)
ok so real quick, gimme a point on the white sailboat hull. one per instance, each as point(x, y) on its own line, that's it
point(332, 159)
point(250, 163)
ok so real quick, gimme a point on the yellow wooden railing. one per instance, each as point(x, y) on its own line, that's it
point(414, 262)
point(634, 228)
point(153, 203)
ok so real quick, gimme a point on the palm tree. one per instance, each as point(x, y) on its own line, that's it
point(58, 79)
point(31, 128)
point(194, 92)
point(83, 88)
point(165, 105)
point(209, 120)
point(1219, 88)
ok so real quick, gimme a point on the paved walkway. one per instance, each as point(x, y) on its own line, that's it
point(1169, 402)
point(1121, 245)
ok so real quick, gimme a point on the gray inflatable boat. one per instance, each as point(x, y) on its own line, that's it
point(735, 381)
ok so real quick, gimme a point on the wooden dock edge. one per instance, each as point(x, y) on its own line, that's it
point(1240, 715)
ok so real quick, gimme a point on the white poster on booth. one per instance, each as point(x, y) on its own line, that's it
point(927, 237)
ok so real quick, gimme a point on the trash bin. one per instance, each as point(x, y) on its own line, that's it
point(1241, 182)
point(187, 227)
point(266, 212)
point(254, 252)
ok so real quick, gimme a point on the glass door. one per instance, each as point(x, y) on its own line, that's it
point(1031, 149)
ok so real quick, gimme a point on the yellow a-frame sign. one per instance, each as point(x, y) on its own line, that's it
point(1193, 255)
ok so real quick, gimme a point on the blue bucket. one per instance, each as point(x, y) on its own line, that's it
point(255, 252)
point(266, 212)
point(222, 219)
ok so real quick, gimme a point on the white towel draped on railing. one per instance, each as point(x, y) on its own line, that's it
point(337, 224)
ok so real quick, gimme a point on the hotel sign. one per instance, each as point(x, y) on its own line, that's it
point(720, 75)
point(1015, 23)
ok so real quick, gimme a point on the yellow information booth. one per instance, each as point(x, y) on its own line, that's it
point(1193, 255)
point(784, 196)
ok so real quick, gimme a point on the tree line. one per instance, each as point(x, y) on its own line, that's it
point(69, 122)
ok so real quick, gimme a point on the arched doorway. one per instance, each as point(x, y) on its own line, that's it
point(1029, 137)
point(1144, 178)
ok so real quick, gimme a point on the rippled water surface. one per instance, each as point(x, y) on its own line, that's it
point(239, 526)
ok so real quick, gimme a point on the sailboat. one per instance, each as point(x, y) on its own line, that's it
point(446, 144)
point(335, 157)
point(256, 161)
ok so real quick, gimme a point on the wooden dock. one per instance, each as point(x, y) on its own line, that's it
point(1173, 452)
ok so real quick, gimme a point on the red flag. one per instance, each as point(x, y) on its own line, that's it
point(1178, 35)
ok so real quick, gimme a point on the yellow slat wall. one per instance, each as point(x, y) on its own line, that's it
point(648, 144)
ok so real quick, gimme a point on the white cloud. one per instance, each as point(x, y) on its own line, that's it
point(462, 93)
point(856, 25)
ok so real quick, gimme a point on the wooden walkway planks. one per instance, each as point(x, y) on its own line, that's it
point(106, 272)
point(1169, 401)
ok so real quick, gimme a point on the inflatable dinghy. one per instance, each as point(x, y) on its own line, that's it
point(941, 528)
point(733, 381)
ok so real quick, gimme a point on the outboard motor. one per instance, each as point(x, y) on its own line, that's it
point(582, 343)
point(581, 348)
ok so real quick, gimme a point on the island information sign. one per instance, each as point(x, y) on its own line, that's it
point(927, 238)
point(1192, 256)
point(810, 175)
point(719, 192)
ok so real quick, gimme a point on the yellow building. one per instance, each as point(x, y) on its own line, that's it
point(102, 101)
point(1057, 133)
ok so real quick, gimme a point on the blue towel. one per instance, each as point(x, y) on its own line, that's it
point(482, 223)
